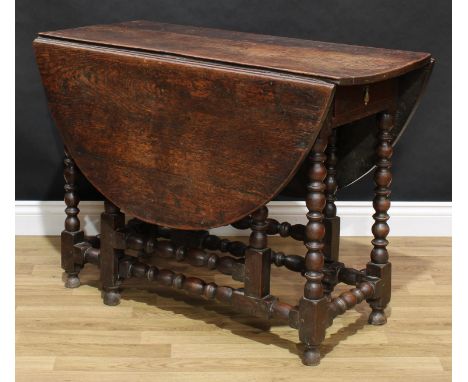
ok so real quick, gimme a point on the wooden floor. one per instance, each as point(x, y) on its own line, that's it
point(157, 334)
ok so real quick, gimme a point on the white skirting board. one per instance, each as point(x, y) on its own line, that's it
point(406, 218)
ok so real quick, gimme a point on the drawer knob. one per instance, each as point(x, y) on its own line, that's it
point(366, 95)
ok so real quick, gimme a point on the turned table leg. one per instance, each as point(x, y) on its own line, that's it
point(379, 265)
point(111, 220)
point(331, 240)
point(257, 257)
point(72, 233)
point(331, 221)
point(313, 306)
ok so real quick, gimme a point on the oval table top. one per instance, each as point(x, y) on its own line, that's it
point(340, 63)
point(195, 128)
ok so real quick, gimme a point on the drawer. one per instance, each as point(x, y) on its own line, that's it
point(356, 102)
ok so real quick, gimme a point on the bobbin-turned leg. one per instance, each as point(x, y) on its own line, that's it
point(313, 306)
point(71, 234)
point(331, 221)
point(111, 220)
point(257, 257)
point(331, 240)
point(379, 265)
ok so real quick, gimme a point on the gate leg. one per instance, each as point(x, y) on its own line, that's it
point(379, 265)
point(111, 220)
point(313, 306)
point(72, 233)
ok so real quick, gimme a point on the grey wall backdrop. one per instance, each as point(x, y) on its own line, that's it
point(422, 162)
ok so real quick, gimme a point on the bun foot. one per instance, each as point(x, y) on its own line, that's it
point(72, 281)
point(311, 356)
point(111, 297)
point(377, 317)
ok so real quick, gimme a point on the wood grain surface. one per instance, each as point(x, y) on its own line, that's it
point(340, 63)
point(69, 335)
point(195, 128)
point(175, 142)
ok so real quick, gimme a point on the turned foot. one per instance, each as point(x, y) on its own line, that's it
point(73, 281)
point(311, 356)
point(111, 297)
point(377, 317)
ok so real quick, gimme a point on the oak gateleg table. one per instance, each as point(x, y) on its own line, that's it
point(187, 129)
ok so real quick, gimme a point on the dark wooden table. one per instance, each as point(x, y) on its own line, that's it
point(187, 129)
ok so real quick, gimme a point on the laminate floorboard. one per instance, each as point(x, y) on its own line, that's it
point(158, 334)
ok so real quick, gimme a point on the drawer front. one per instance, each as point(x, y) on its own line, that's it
point(356, 102)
